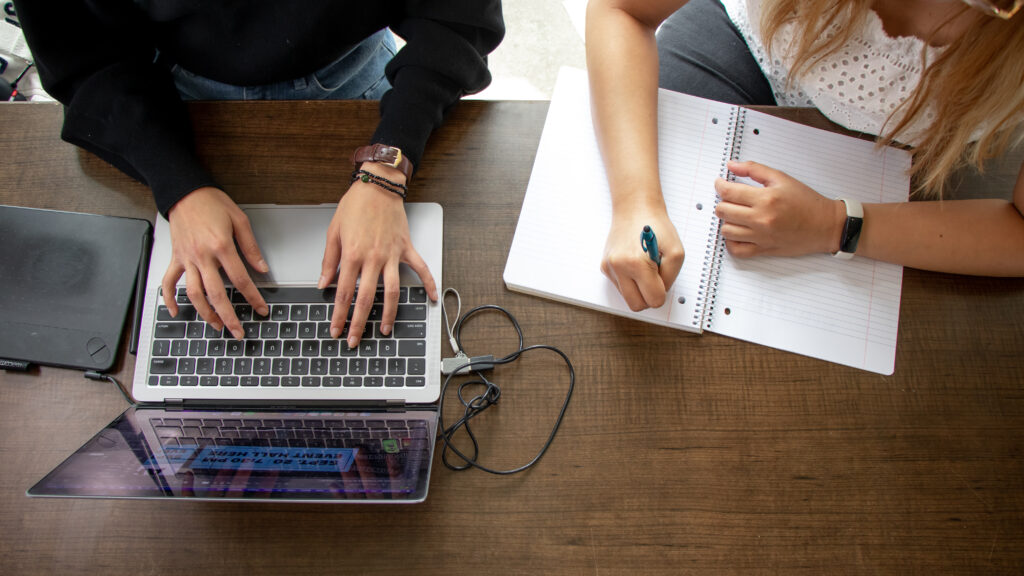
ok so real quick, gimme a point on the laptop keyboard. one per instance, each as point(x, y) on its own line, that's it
point(389, 434)
point(292, 347)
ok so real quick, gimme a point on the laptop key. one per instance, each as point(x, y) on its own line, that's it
point(268, 330)
point(251, 329)
point(195, 330)
point(396, 366)
point(412, 348)
point(216, 347)
point(377, 366)
point(204, 365)
point(179, 347)
point(409, 330)
point(416, 366)
point(186, 366)
point(223, 366)
point(169, 330)
point(394, 382)
point(163, 365)
point(161, 347)
point(411, 312)
point(417, 294)
point(338, 366)
point(288, 330)
point(298, 313)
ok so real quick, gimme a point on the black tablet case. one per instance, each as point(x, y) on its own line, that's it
point(66, 283)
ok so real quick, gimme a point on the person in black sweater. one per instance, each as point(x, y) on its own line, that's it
point(122, 67)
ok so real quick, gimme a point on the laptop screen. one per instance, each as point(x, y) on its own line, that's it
point(252, 455)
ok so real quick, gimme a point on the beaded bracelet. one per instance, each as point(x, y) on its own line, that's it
point(380, 181)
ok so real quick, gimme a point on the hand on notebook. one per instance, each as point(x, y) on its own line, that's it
point(204, 228)
point(784, 218)
point(642, 283)
point(367, 238)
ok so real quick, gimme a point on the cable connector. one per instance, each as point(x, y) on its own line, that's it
point(461, 364)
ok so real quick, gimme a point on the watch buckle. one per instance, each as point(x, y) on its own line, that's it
point(390, 156)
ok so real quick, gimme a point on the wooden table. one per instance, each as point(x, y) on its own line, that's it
point(679, 453)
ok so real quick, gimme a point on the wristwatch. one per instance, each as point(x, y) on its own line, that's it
point(384, 154)
point(851, 229)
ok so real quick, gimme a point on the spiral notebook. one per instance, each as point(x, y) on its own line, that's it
point(843, 311)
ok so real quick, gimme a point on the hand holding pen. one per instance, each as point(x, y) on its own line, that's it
point(642, 271)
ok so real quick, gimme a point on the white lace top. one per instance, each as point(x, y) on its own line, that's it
point(856, 87)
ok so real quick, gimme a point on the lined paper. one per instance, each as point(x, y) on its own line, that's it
point(560, 237)
point(846, 311)
point(841, 311)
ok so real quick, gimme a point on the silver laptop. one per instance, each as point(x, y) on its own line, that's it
point(287, 413)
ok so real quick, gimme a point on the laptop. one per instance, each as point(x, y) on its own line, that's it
point(287, 413)
point(66, 282)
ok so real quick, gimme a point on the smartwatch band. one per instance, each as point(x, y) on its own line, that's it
point(851, 229)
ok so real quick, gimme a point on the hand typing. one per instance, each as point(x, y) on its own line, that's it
point(204, 228)
point(367, 239)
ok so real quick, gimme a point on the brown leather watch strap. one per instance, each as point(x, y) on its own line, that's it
point(384, 154)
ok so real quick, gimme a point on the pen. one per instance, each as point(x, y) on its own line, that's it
point(649, 242)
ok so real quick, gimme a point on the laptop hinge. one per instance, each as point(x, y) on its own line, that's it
point(174, 404)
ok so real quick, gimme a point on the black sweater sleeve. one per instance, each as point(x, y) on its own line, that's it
point(445, 58)
point(96, 59)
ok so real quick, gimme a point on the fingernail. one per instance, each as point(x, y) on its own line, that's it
point(321, 283)
point(385, 329)
point(264, 311)
point(238, 334)
point(263, 266)
point(352, 342)
point(335, 332)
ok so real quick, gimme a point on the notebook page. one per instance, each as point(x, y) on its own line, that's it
point(566, 214)
point(843, 311)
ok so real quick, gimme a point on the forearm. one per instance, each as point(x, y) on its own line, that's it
point(622, 60)
point(981, 237)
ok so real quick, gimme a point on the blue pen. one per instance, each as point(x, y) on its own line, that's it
point(649, 242)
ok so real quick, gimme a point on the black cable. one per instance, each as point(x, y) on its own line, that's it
point(489, 396)
point(94, 375)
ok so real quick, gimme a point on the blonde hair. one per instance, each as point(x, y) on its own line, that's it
point(976, 83)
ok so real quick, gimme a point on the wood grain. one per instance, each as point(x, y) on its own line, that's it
point(680, 454)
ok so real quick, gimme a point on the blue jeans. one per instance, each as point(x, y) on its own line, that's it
point(359, 74)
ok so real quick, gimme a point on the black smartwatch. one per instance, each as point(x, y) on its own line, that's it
point(851, 229)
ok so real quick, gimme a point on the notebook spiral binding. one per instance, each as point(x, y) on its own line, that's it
point(714, 250)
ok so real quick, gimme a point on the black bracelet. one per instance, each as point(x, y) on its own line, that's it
point(380, 181)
